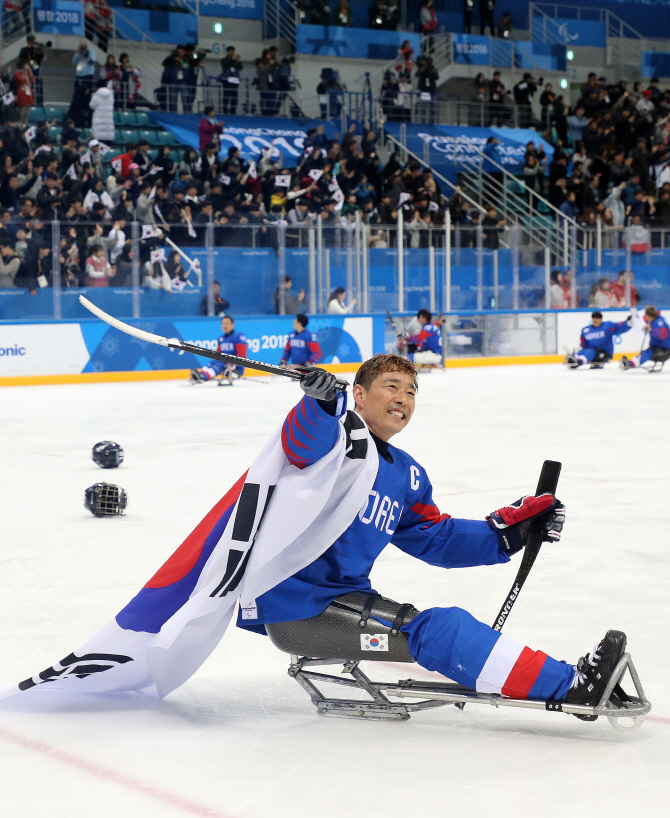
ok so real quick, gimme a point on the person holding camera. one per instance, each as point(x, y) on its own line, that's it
point(231, 65)
point(486, 9)
point(193, 62)
point(319, 11)
point(523, 93)
point(505, 26)
point(84, 65)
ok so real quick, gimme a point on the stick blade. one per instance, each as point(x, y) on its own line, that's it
point(123, 327)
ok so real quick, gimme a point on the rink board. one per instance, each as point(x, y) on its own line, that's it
point(91, 351)
point(93, 348)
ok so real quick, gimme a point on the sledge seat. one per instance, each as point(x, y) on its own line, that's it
point(356, 626)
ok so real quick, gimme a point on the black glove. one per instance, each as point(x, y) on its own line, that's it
point(317, 383)
point(511, 523)
point(629, 320)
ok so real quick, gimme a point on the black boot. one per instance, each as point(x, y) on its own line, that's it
point(571, 361)
point(594, 671)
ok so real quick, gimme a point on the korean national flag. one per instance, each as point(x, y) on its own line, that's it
point(148, 232)
point(30, 134)
point(374, 641)
point(8, 98)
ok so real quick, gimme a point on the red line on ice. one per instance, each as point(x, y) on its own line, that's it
point(113, 776)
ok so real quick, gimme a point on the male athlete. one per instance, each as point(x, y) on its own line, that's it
point(400, 510)
point(597, 342)
point(232, 343)
point(659, 340)
point(425, 348)
point(302, 346)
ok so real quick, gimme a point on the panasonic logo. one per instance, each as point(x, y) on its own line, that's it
point(15, 350)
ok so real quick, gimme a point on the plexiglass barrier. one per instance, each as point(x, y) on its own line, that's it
point(277, 266)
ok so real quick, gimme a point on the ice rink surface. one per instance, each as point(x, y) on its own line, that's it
point(241, 739)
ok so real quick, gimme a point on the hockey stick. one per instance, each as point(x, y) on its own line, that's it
point(545, 485)
point(175, 343)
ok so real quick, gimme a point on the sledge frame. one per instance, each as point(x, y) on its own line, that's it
point(614, 703)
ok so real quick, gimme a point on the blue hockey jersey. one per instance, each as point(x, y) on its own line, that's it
point(429, 339)
point(233, 343)
point(399, 510)
point(658, 333)
point(602, 337)
point(302, 348)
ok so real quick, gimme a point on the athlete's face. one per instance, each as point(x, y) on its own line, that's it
point(597, 322)
point(227, 325)
point(388, 405)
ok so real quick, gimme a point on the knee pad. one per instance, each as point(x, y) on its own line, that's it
point(349, 629)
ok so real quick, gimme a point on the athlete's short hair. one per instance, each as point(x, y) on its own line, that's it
point(302, 319)
point(374, 367)
point(425, 314)
point(229, 317)
point(596, 314)
point(652, 312)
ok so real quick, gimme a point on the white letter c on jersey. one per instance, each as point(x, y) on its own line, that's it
point(414, 478)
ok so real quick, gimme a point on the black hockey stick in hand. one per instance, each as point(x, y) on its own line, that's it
point(547, 484)
point(182, 346)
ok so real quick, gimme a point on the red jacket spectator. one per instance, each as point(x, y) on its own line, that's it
point(618, 290)
point(428, 17)
point(209, 130)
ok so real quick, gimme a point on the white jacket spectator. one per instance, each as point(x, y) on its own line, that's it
point(102, 104)
point(336, 305)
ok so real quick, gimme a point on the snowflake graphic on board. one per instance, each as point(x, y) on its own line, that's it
point(98, 366)
point(147, 327)
point(109, 346)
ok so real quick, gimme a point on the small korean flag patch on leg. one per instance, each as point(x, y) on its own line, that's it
point(374, 641)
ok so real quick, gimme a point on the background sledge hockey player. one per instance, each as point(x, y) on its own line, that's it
point(659, 340)
point(302, 346)
point(597, 342)
point(425, 347)
point(400, 509)
point(232, 343)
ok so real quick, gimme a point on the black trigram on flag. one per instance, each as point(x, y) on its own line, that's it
point(243, 528)
point(79, 666)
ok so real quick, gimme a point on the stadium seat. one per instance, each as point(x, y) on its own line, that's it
point(52, 112)
point(36, 114)
point(176, 155)
point(125, 135)
point(167, 138)
point(124, 119)
point(84, 134)
point(55, 132)
point(143, 120)
point(151, 137)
